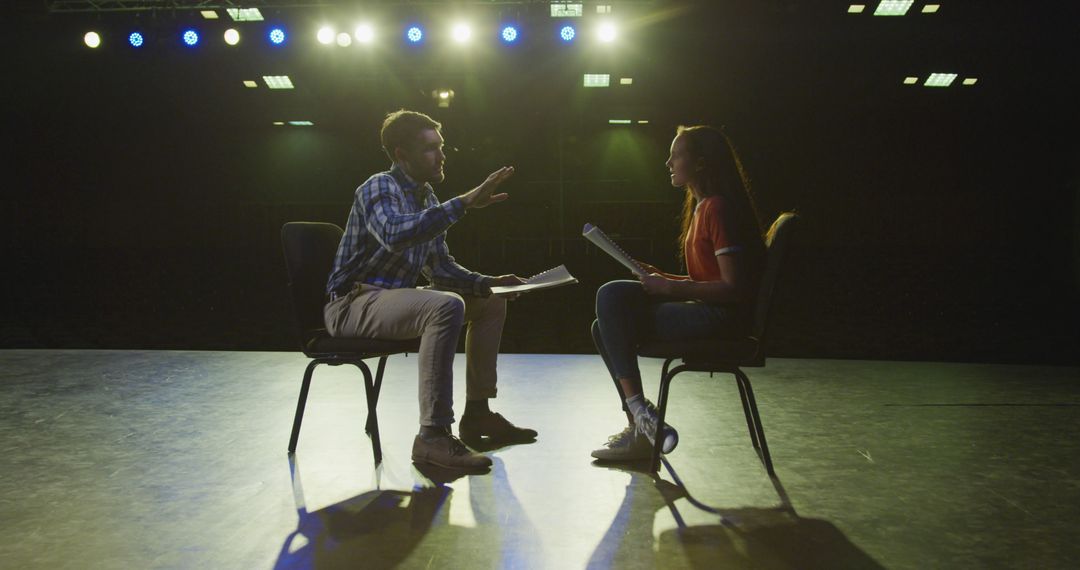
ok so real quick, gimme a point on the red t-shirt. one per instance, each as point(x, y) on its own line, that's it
point(713, 231)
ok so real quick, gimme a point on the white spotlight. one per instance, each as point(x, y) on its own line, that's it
point(443, 97)
point(344, 40)
point(606, 32)
point(325, 35)
point(365, 34)
point(92, 39)
point(232, 37)
point(462, 33)
point(939, 80)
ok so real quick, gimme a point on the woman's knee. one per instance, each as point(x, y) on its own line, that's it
point(617, 296)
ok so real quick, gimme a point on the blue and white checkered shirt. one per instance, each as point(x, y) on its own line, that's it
point(396, 232)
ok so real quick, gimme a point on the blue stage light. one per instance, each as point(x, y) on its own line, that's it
point(135, 39)
point(277, 36)
point(567, 33)
point(191, 37)
point(509, 34)
point(415, 34)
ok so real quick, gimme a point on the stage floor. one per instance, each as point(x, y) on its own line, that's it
point(160, 459)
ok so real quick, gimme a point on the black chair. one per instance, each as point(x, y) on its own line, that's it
point(729, 355)
point(309, 256)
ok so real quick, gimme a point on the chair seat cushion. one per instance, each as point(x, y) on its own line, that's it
point(324, 344)
point(724, 352)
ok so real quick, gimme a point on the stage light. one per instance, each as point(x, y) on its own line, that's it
point(92, 39)
point(190, 37)
point(619, 121)
point(626, 81)
point(509, 34)
point(911, 80)
point(325, 35)
point(365, 33)
point(461, 33)
point(931, 8)
point(250, 84)
point(940, 80)
point(414, 34)
point(244, 14)
point(276, 36)
point(970, 81)
point(564, 10)
point(232, 37)
point(856, 8)
point(606, 32)
point(278, 81)
point(344, 40)
point(567, 33)
point(597, 80)
point(209, 14)
point(135, 39)
point(893, 7)
point(302, 123)
point(443, 97)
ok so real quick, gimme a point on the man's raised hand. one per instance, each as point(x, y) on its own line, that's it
point(483, 194)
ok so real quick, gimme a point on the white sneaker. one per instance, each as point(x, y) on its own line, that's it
point(627, 445)
point(646, 421)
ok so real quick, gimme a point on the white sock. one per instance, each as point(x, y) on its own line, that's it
point(636, 404)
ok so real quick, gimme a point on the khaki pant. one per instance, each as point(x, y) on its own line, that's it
point(436, 317)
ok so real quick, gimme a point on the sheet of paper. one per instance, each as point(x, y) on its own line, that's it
point(554, 277)
point(602, 241)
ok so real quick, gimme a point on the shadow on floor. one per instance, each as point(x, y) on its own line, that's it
point(772, 537)
point(379, 527)
point(389, 529)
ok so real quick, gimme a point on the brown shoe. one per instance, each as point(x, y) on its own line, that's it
point(475, 427)
point(447, 451)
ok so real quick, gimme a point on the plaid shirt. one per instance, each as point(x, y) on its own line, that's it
point(396, 232)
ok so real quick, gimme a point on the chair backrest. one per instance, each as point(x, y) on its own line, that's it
point(309, 256)
point(776, 243)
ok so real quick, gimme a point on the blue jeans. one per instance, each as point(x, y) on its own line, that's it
point(626, 316)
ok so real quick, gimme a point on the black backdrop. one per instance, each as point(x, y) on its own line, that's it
point(147, 188)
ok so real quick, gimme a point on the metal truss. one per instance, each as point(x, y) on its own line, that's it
point(59, 6)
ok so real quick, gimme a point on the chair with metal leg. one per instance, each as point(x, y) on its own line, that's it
point(309, 255)
point(729, 355)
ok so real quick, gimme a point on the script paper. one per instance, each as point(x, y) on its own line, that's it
point(602, 241)
point(554, 277)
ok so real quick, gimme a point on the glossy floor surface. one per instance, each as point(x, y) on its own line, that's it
point(127, 459)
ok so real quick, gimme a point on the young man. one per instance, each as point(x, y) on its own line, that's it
point(396, 232)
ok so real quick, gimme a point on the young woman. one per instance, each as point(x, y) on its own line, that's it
point(724, 251)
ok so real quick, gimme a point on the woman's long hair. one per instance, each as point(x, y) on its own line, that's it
point(722, 174)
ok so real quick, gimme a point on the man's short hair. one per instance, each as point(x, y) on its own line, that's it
point(401, 129)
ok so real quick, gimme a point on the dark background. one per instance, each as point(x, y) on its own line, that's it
point(146, 189)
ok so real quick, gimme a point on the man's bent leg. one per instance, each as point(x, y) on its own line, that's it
point(434, 316)
point(485, 317)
